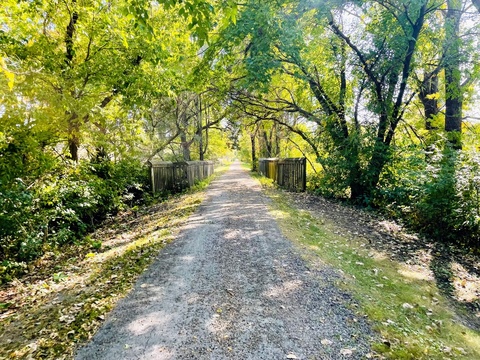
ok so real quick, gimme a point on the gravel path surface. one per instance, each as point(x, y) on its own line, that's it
point(232, 287)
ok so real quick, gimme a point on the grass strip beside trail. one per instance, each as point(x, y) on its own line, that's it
point(412, 318)
point(64, 304)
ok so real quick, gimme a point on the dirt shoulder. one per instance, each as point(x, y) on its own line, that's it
point(232, 287)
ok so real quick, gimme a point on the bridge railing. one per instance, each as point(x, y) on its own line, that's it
point(178, 176)
point(290, 173)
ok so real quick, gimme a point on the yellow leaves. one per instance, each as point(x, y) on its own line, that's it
point(434, 96)
point(124, 39)
point(9, 75)
point(89, 255)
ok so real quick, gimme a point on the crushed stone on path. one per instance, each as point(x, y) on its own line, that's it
point(232, 287)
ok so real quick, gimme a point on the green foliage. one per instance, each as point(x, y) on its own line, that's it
point(332, 183)
point(437, 193)
point(62, 207)
point(10, 268)
point(16, 218)
point(22, 153)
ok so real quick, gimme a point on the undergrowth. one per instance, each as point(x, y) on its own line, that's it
point(61, 207)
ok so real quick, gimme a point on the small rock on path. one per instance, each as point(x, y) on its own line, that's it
point(232, 287)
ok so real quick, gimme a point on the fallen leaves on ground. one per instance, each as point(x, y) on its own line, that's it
point(346, 352)
point(326, 342)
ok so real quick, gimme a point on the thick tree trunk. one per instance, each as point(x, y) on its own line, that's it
point(358, 190)
point(185, 147)
point(73, 146)
point(73, 136)
point(73, 125)
point(364, 182)
point(69, 35)
point(453, 87)
point(356, 181)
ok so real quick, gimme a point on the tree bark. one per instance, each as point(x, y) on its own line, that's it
point(73, 136)
point(453, 87)
point(200, 131)
point(185, 147)
point(69, 34)
point(254, 152)
point(427, 94)
point(73, 125)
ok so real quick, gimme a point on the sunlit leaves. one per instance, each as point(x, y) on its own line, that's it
point(204, 15)
point(9, 75)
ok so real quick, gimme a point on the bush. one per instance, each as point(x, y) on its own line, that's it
point(19, 231)
point(437, 193)
point(63, 207)
point(331, 184)
point(88, 194)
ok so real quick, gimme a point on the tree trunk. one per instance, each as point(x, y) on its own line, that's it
point(254, 152)
point(73, 125)
point(277, 140)
point(453, 87)
point(372, 174)
point(69, 35)
point(200, 130)
point(73, 136)
point(356, 181)
point(185, 147)
point(183, 127)
point(73, 146)
point(427, 94)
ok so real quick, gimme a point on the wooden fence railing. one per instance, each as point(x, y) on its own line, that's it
point(290, 174)
point(177, 176)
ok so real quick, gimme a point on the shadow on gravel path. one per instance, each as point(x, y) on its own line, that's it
point(232, 287)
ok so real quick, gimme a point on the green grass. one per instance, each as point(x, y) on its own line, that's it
point(412, 319)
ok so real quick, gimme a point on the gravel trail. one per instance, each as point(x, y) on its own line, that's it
point(232, 287)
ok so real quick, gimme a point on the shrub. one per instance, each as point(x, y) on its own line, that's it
point(18, 230)
point(437, 193)
point(63, 206)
